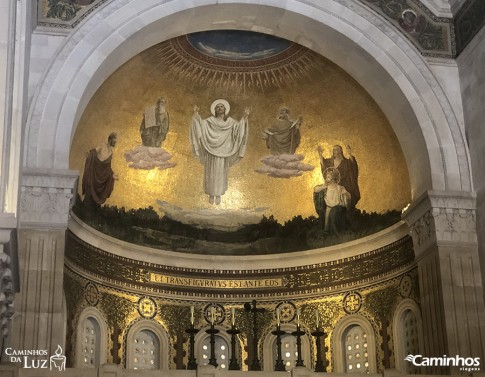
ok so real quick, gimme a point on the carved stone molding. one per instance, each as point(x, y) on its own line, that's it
point(442, 217)
point(46, 197)
point(8, 270)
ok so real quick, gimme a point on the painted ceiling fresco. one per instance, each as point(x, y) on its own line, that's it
point(220, 132)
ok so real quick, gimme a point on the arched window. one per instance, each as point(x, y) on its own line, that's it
point(221, 351)
point(411, 341)
point(147, 346)
point(90, 343)
point(354, 346)
point(407, 335)
point(91, 340)
point(356, 350)
point(146, 353)
point(289, 352)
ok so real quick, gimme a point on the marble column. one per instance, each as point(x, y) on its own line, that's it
point(444, 232)
point(45, 200)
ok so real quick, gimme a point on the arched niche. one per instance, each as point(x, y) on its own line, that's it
point(94, 314)
point(159, 332)
point(201, 337)
point(269, 342)
point(337, 342)
point(398, 331)
point(346, 32)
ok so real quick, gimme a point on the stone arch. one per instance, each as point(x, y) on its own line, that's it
point(270, 339)
point(337, 340)
point(92, 312)
point(382, 60)
point(398, 335)
point(201, 336)
point(160, 333)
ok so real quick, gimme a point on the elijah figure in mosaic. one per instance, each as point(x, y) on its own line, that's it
point(218, 142)
point(332, 201)
point(284, 136)
point(155, 124)
point(98, 178)
point(347, 168)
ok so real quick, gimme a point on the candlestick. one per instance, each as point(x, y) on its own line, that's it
point(233, 363)
point(192, 364)
point(279, 365)
point(278, 316)
point(212, 332)
point(321, 362)
point(191, 315)
point(233, 316)
point(298, 333)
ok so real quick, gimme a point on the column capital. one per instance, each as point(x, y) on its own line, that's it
point(442, 217)
point(46, 197)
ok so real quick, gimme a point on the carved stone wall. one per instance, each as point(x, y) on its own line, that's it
point(443, 227)
point(46, 197)
point(8, 277)
point(439, 217)
point(437, 27)
point(44, 208)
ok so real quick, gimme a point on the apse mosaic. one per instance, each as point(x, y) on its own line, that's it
point(236, 142)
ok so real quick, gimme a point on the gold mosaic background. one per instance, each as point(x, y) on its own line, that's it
point(119, 308)
point(335, 110)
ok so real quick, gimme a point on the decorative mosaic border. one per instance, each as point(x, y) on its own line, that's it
point(65, 14)
point(295, 281)
point(433, 36)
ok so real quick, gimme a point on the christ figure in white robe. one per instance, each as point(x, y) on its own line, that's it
point(218, 142)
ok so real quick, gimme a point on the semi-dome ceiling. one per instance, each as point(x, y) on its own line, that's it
point(267, 180)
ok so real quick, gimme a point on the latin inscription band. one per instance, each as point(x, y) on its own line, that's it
point(215, 283)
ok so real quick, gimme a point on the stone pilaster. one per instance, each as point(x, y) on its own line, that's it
point(46, 196)
point(444, 232)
